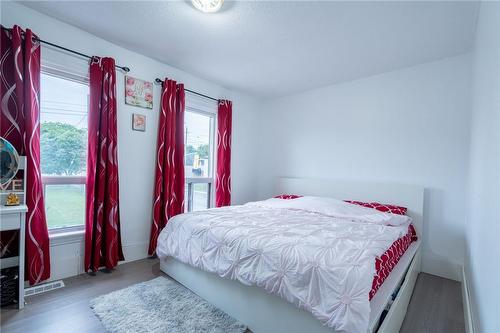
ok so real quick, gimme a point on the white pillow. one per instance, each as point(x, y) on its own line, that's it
point(335, 208)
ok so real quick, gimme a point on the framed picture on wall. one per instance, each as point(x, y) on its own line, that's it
point(138, 122)
point(138, 92)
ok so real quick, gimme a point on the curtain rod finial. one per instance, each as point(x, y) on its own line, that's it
point(126, 69)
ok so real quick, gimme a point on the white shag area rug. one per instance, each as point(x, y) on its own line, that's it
point(161, 305)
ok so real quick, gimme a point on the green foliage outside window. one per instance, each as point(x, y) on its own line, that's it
point(63, 149)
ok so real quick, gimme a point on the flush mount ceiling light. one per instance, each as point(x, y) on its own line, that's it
point(207, 6)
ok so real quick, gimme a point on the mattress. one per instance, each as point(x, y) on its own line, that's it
point(313, 252)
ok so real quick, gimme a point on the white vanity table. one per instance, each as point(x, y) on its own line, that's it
point(14, 218)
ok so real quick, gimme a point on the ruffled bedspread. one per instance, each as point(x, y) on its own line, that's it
point(310, 257)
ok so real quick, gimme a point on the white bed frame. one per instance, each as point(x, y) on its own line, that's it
point(267, 313)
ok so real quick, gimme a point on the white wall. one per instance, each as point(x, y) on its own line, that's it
point(483, 225)
point(137, 149)
point(408, 126)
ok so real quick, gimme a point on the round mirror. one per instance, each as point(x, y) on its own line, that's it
point(9, 161)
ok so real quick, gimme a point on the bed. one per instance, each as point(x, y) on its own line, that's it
point(265, 305)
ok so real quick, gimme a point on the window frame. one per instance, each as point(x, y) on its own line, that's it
point(47, 180)
point(208, 111)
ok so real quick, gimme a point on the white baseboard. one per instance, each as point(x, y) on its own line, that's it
point(67, 258)
point(134, 251)
point(469, 324)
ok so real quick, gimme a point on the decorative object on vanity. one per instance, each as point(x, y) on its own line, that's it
point(12, 200)
point(138, 122)
point(138, 92)
point(9, 162)
point(9, 166)
point(161, 305)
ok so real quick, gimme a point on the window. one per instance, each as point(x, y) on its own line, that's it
point(199, 132)
point(63, 149)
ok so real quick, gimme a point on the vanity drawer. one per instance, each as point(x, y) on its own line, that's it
point(10, 221)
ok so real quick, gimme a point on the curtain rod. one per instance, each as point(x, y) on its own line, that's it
point(157, 80)
point(123, 68)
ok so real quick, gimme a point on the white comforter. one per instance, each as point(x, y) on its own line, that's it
point(316, 253)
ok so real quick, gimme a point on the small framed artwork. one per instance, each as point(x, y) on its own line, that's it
point(139, 122)
point(138, 92)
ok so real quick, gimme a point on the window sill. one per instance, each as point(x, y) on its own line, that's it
point(66, 237)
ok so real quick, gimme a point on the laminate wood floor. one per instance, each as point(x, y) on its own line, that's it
point(435, 307)
point(436, 304)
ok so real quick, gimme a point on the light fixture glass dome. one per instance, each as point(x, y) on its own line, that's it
point(207, 6)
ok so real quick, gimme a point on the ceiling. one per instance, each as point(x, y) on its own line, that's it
point(272, 49)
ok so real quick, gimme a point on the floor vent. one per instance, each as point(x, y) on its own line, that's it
point(43, 288)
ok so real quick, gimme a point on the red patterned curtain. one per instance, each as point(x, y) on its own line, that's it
point(103, 245)
point(169, 176)
point(223, 180)
point(20, 124)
